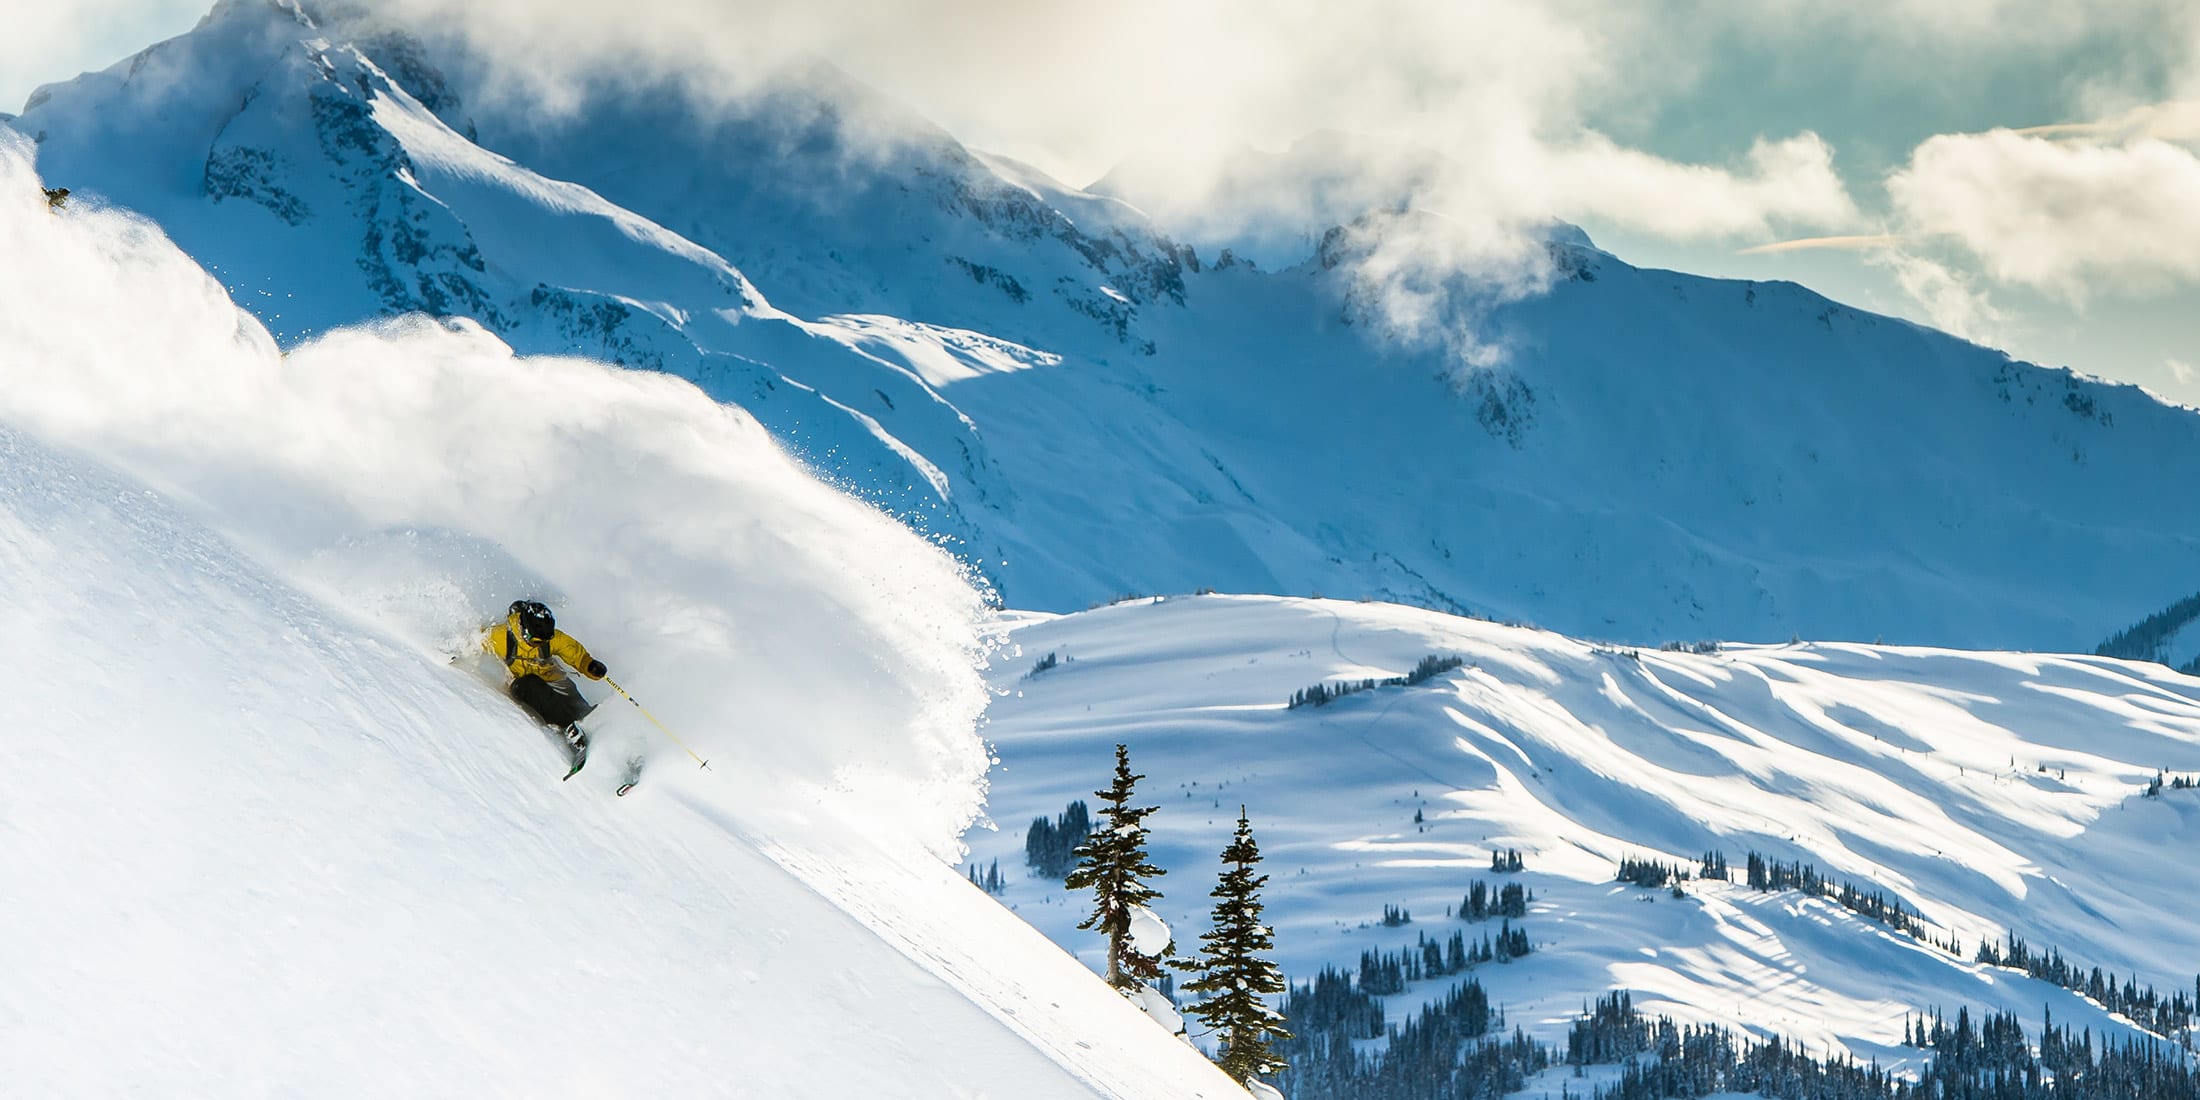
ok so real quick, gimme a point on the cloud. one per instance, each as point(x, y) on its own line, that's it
point(2072, 218)
point(2104, 206)
point(45, 42)
point(2174, 121)
point(1075, 86)
point(1421, 281)
point(38, 36)
point(1946, 295)
point(1787, 182)
point(1477, 113)
point(1860, 242)
point(1494, 93)
point(1896, 34)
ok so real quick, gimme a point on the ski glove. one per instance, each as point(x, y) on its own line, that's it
point(597, 671)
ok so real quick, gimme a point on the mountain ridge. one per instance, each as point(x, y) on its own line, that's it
point(1080, 406)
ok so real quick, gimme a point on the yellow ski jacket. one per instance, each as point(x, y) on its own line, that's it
point(524, 658)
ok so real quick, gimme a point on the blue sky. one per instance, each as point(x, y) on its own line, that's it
point(2023, 173)
point(1878, 90)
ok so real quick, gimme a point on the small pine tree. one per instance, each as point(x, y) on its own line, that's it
point(1113, 864)
point(1234, 971)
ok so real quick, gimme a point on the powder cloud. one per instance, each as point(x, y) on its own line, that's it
point(812, 647)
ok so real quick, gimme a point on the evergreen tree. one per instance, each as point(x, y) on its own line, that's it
point(1234, 971)
point(1113, 864)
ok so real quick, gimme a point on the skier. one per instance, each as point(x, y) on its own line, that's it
point(56, 198)
point(530, 644)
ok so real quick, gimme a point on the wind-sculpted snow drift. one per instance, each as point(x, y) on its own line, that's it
point(260, 838)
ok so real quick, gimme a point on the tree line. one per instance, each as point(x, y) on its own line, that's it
point(1768, 875)
point(1443, 1050)
point(1424, 670)
point(1990, 1059)
point(1482, 903)
point(1050, 847)
point(1456, 1046)
point(2163, 1015)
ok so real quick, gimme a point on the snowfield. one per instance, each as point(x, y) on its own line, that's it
point(262, 837)
point(1988, 792)
point(333, 355)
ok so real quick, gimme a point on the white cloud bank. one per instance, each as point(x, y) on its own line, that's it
point(45, 42)
point(1483, 106)
point(2070, 217)
point(1484, 113)
point(1950, 300)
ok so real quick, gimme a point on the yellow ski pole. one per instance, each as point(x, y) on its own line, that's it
point(653, 721)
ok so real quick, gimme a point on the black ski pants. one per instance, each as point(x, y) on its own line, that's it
point(557, 703)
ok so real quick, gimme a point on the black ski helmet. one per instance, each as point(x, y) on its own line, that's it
point(535, 621)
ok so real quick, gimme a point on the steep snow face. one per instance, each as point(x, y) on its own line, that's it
point(1990, 792)
point(263, 837)
point(426, 476)
point(1040, 380)
point(843, 204)
point(255, 848)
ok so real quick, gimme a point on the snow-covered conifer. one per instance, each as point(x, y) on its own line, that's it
point(1235, 972)
point(1113, 864)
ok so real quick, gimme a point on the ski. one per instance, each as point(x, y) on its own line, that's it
point(633, 775)
point(576, 746)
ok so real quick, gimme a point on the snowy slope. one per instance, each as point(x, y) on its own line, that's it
point(261, 837)
point(1080, 407)
point(1917, 771)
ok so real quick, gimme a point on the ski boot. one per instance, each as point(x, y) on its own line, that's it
point(576, 744)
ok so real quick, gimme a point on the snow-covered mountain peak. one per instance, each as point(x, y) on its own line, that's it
point(261, 115)
point(1513, 424)
point(867, 211)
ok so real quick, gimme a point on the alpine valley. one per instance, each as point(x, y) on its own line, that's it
point(1637, 681)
